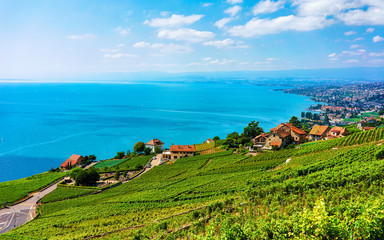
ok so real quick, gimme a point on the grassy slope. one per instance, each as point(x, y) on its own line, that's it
point(12, 191)
point(63, 193)
point(322, 192)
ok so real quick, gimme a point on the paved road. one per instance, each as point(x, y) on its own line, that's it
point(21, 213)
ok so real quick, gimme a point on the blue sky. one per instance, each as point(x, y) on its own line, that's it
point(52, 38)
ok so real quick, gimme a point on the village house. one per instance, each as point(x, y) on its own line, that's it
point(284, 134)
point(209, 141)
point(318, 132)
point(337, 132)
point(179, 151)
point(153, 143)
point(259, 141)
point(73, 161)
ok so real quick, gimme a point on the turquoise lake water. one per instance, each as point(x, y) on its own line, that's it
point(42, 124)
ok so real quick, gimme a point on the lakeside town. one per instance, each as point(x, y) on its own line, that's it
point(88, 176)
point(347, 109)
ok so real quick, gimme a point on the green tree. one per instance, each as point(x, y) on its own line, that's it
point(216, 138)
point(295, 121)
point(74, 173)
point(157, 150)
point(92, 157)
point(139, 147)
point(87, 177)
point(120, 155)
point(252, 130)
point(326, 119)
point(147, 151)
point(302, 114)
point(117, 175)
point(233, 135)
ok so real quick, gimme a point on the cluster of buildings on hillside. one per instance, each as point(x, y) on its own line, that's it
point(286, 133)
point(343, 102)
point(364, 97)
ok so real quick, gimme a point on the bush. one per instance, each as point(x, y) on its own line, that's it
point(87, 177)
point(139, 147)
point(147, 151)
point(117, 175)
point(379, 154)
point(120, 155)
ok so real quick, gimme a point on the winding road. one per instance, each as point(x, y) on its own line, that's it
point(24, 212)
point(21, 213)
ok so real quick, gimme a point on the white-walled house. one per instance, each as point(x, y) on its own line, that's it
point(155, 142)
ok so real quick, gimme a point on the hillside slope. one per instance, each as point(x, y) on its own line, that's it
point(330, 189)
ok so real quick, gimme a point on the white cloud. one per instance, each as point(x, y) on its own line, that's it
point(234, 1)
point(353, 46)
point(233, 10)
point(349, 33)
point(323, 7)
point(173, 21)
point(358, 39)
point(193, 64)
point(222, 22)
point(119, 55)
point(221, 62)
point(351, 61)
point(164, 13)
point(120, 45)
point(186, 34)
point(122, 31)
point(375, 54)
point(141, 44)
point(378, 39)
point(351, 12)
point(372, 16)
point(258, 26)
point(370, 30)
point(172, 48)
point(355, 53)
point(109, 50)
point(332, 55)
point(267, 6)
point(207, 4)
point(226, 43)
point(165, 48)
point(82, 36)
point(266, 61)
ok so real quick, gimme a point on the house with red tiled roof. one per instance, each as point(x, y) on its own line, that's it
point(209, 140)
point(318, 132)
point(179, 151)
point(284, 134)
point(259, 141)
point(153, 143)
point(71, 162)
point(337, 132)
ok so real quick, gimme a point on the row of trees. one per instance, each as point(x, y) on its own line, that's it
point(138, 148)
point(234, 140)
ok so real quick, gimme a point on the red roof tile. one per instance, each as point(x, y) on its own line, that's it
point(318, 130)
point(276, 144)
point(155, 142)
point(72, 161)
point(182, 148)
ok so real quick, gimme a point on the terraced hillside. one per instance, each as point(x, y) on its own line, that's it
point(331, 189)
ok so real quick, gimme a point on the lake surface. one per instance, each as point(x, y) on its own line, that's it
point(42, 124)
